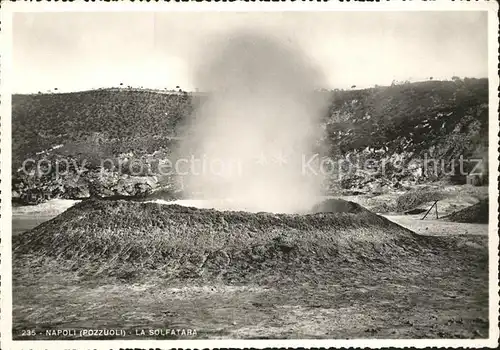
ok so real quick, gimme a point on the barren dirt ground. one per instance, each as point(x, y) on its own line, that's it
point(441, 294)
point(376, 304)
point(434, 297)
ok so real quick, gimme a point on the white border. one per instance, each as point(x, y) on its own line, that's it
point(7, 8)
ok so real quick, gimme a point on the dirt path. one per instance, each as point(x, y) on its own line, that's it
point(434, 227)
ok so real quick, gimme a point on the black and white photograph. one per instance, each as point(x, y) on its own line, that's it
point(250, 176)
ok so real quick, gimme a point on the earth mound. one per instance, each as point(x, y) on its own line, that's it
point(477, 213)
point(126, 239)
point(333, 205)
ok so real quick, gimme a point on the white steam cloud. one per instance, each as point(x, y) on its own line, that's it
point(261, 118)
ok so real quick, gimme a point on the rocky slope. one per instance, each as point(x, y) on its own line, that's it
point(418, 130)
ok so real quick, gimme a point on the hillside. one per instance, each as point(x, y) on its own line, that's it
point(107, 116)
point(399, 123)
point(411, 117)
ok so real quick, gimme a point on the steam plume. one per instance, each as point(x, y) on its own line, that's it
point(260, 119)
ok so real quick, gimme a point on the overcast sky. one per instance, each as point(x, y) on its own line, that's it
point(79, 51)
